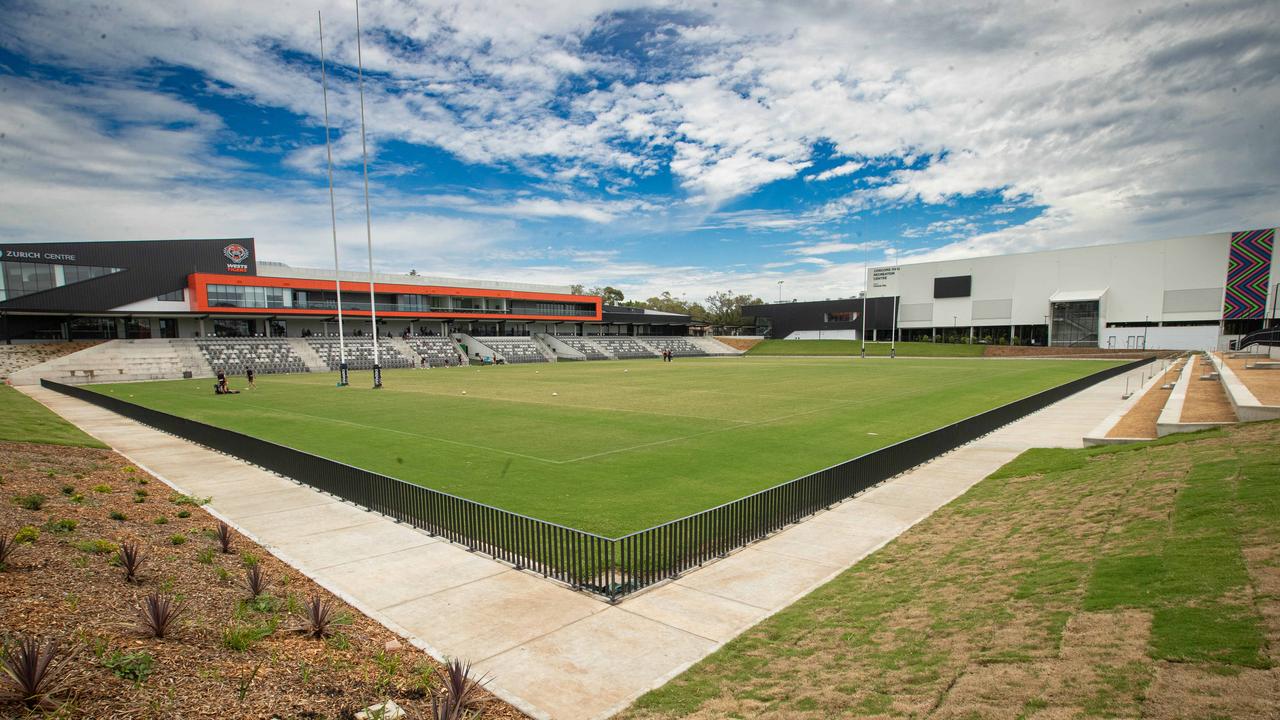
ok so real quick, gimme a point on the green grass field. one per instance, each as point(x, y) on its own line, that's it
point(852, 347)
point(1127, 581)
point(611, 447)
point(25, 420)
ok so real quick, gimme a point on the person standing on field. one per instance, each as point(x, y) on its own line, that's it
point(248, 375)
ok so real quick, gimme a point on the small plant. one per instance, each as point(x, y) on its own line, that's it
point(65, 525)
point(77, 498)
point(96, 547)
point(242, 688)
point(102, 488)
point(223, 575)
point(118, 516)
point(34, 501)
point(255, 581)
point(139, 496)
point(459, 693)
point(224, 538)
point(68, 490)
point(6, 549)
point(388, 665)
point(184, 513)
point(339, 641)
point(34, 667)
point(130, 558)
point(129, 469)
point(135, 667)
point(191, 500)
point(205, 556)
point(248, 559)
point(162, 520)
point(158, 614)
point(242, 637)
point(317, 618)
point(27, 534)
point(177, 539)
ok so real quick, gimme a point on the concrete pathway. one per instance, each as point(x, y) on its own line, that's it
point(550, 651)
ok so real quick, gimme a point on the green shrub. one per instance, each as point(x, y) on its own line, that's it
point(135, 667)
point(118, 516)
point(96, 547)
point(129, 469)
point(177, 539)
point(77, 498)
point(241, 637)
point(34, 501)
point(28, 534)
point(162, 520)
point(65, 525)
point(205, 556)
point(184, 513)
point(102, 488)
point(68, 490)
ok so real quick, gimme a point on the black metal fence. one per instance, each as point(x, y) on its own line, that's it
point(609, 567)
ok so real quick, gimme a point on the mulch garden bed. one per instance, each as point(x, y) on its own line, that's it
point(231, 656)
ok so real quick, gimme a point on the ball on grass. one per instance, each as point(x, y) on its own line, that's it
point(464, 392)
point(555, 394)
point(626, 370)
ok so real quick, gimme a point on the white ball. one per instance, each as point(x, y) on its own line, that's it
point(555, 394)
point(464, 392)
point(626, 370)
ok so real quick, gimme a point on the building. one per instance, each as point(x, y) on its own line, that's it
point(195, 288)
point(824, 319)
point(1182, 293)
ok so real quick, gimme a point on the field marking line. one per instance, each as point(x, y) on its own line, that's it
point(404, 432)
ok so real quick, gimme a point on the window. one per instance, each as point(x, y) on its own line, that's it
point(839, 317)
point(174, 296)
point(24, 278)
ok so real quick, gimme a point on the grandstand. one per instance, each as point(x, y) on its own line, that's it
point(434, 351)
point(515, 350)
point(588, 349)
point(359, 353)
point(624, 347)
point(264, 355)
point(677, 346)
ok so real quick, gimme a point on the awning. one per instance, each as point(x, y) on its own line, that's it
point(1077, 295)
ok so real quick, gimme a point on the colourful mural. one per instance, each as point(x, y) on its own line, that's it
point(1248, 271)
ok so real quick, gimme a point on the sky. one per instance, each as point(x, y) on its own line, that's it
point(687, 147)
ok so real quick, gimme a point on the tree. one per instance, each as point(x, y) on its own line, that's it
point(609, 294)
point(725, 308)
point(576, 290)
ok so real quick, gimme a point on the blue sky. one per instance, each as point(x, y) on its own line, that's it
point(679, 146)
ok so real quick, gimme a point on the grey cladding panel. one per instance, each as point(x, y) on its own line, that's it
point(1197, 300)
point(916, 312)
point(992, 309)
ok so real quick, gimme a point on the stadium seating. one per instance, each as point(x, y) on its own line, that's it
point(515, 349)
point(623, 347)
point(265, 355)
point(588, 348)
point(679, 346)
point(359, 353)
point(437, 351)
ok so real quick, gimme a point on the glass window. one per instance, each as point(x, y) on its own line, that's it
point(137, 328)
point(174, 296)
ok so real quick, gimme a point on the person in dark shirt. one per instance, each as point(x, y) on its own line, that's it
point(248, 374)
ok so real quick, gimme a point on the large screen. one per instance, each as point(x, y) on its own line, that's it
point(952, 287)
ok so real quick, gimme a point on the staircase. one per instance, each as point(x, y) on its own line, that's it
point(404, 349)
point(309, 356)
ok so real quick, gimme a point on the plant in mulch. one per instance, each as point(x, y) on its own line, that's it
point(35, 668)
point(6, 550)
point(135, 666)
point(96, 547)
point(118, 516)
point(318, 618)
point(240, 638)
point(158, 615)
point(130, 557)
point(34, 501)
point(65, 525)
point(224, 538)
point(255, 581)
point(177, 539)
point(459, 696)
point(27, 534)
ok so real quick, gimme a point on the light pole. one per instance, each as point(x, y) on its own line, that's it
point(780, 290)
point(954, 326)
point(1146, 323)
point(863, 334)
point(1047, 334)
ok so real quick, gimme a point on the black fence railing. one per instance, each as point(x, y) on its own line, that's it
point(608, 567)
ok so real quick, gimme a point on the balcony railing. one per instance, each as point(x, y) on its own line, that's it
point(332, 306)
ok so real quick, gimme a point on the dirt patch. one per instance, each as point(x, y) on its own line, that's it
point(1140, 421)
point(1191, 691)
point(1206, 399)
point(1264, 384)
point(738, 343)
point(66, 586)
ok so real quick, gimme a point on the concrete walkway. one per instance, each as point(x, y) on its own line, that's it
point(550, 651)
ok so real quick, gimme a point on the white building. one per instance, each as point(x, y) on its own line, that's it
point(1183, 293)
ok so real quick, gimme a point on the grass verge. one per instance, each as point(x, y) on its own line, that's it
point(25, 420)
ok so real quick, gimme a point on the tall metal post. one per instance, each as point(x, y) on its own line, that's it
point(368, 221)
point(343, 380)
point(865, 288)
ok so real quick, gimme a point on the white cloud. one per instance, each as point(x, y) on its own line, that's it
point(848, 168)
point(833, 247)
